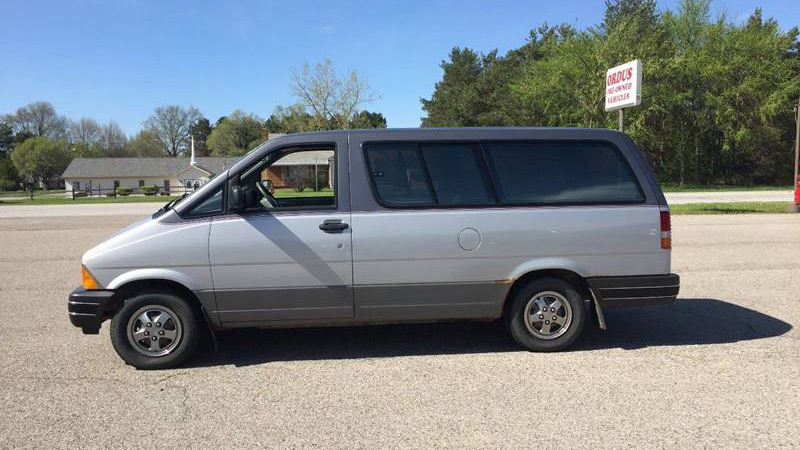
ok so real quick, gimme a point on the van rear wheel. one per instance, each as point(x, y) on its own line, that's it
point(546, 315)
point(155, 331)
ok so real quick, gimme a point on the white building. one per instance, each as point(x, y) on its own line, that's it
point(171, 175)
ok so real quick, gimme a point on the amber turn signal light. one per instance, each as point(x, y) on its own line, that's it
point(88, 280)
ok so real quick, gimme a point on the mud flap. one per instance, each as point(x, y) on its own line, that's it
point(597, 311)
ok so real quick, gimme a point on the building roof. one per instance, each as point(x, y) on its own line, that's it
point(168, 167)
point(140, 167)
point(307, 158)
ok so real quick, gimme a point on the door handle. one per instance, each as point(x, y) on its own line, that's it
point(333, 226)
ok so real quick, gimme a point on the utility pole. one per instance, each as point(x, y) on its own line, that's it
point(621, 121)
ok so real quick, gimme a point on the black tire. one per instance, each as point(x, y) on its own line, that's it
point(190, 323)
point(515, 315)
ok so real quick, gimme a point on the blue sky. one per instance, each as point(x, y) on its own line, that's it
point(118, 59)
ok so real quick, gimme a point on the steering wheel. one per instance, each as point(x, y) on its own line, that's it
point(266, 195)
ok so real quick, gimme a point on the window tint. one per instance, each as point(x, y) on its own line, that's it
point(211, 205)
point(455, 174)
point(398, 175)
point(561, 172)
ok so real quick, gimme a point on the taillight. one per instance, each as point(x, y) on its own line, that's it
point(666, 229)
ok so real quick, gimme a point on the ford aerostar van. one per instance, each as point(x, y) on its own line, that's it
point(542, 228)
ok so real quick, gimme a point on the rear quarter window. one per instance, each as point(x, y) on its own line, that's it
point(561, 172)
point(398, 174)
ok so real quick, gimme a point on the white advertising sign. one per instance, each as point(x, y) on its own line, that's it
point(624, 85)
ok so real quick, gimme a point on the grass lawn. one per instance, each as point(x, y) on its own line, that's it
point(291, 193)
point(729, 208)
point(84, 200)
point(28, 194)
point(704, 188)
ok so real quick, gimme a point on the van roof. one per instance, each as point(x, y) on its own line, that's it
point(450, 129)
point(455, 130)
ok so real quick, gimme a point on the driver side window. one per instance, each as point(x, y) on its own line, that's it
point(300, 179)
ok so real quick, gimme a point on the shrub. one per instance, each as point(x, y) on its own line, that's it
point(149, 190)
point(124, 192)
point(109, 194)
point(7, 185)
point(300, 177)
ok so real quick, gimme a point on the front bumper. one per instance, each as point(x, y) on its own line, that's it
point(635, 291)
point(88, 309)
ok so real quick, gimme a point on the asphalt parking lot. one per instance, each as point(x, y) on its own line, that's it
point(720, 368)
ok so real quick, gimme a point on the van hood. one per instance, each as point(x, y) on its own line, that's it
point(125, 235)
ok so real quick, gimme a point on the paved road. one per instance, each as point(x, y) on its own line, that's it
point(730, 196)
point(80, 209)
point(720, 368)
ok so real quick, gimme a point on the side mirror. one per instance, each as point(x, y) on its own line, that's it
point(236, 201)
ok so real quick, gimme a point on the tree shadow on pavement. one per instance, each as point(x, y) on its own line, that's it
point(685, 322)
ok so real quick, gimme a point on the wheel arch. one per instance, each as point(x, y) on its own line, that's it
point(567, 275)
point(134, 287)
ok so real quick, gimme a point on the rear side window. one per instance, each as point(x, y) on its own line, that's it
point(561, 172)
point(447, 174)
point(398, 175)
point(455, 174)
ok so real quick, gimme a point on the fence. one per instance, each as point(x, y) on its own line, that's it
point(151, 191)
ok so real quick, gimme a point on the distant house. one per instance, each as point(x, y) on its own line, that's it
point(98, 176)
point(305, 163)
point(172, 175)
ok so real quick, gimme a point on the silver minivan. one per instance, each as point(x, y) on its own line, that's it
point(540, 227)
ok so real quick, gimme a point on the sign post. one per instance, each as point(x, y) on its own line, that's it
point(796, 178)
point(624, 88)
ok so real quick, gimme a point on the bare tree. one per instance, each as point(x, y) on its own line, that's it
point(112, 139)
point(39, 119)
point(329, 98)
point(85, 131)
point(171, 125)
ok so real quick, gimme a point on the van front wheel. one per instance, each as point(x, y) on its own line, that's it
point(155, 331)
point(546, 315)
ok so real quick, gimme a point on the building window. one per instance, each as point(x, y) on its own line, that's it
point(141, 184)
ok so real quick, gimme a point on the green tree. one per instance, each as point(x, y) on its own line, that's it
point(145, 144)
point(201, 129)
point(366, 119)
point(9, 178)
point(41, 159)
point(290, 119)
point(455, 101)
point(237, 134)
point(6, 139)
point(716, 101)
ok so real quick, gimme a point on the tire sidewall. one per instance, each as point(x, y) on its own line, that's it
point(516, 320)
point(189, 323)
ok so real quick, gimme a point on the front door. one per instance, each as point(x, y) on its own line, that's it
point(289, 254)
